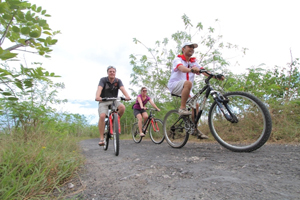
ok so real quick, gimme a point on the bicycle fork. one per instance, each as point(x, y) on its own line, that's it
point(220, 101)
point(154, 125)
point(111, 124)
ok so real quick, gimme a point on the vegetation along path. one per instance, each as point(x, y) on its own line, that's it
point(197, 171)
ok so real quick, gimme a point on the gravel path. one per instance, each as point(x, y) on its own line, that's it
point(196, 171)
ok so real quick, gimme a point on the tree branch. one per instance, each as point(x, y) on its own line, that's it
point(6, 30)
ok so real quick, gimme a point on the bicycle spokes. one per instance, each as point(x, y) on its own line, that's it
point(175, 129)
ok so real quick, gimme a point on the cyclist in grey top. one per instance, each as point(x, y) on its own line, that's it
point(109, 87)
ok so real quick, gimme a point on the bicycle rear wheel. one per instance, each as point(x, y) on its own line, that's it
point(136, 133)
point(174, 129)
point(106, 135)
point(157, 136)
point(116, 133)
point(254, 124)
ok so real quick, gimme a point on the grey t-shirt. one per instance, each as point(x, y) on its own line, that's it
point(110, 89)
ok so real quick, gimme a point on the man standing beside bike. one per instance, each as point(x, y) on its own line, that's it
point(139, 109)
point(182, 78)
point(109, 87)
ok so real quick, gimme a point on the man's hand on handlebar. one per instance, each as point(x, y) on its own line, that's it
point(220, 77)
point(127, 98)
point(98, 99)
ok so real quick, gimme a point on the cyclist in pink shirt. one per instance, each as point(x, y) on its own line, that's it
point(139, 109)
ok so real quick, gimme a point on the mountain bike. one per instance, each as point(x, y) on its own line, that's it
point(155, 129)
point(239, 121)
point(112, 125)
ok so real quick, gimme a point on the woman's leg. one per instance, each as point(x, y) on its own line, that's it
point(145, 116)
point(140, 122)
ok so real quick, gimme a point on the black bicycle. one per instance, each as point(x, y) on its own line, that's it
point(155, 129)
point(239, 121)
point(112, 125)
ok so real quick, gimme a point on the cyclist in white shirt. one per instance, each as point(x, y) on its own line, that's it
point(182, 77)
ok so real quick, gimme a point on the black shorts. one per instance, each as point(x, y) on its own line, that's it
point(136, 111)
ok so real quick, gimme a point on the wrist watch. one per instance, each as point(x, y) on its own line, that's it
point(192, 70)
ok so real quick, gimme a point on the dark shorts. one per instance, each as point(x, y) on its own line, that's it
point(136, 111)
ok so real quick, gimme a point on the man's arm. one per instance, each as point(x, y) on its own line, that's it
point(122, 88)
point(98, 93)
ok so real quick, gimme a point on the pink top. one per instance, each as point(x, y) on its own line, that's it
point(137, 104)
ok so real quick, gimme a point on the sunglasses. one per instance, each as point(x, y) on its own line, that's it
point(144, 90)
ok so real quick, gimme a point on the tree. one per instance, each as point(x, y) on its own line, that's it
point(23, 24)
point(153, 70)
point(25, 92)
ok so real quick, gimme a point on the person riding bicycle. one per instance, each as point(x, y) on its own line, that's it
point(109, 87)
point(182, 78)
point(139, 109)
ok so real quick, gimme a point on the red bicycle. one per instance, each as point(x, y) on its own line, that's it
point(156, 129)
point(112, 124)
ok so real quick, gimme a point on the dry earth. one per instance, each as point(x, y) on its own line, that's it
point(196, 171)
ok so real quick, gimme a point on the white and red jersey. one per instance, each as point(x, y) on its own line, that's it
point(177, 75)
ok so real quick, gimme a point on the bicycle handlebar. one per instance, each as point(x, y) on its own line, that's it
point(210, 75)
point(112, 98)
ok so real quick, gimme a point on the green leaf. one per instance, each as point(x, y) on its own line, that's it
point(41, 39)
point(28, 83)
point(16, 29)
point(7, 55)
point(35, 34)
point(28, 16)
point(12, 98)
point(25, 30)
point(33, 7)
point(39, 9)
point(6, 16)
point(47, 32)
point(54, 41)
point(6, 93)
point(47, 15)
point(43, 12)
point(42, 22)
point(3, 7)
point(19, 84)
point(20, 15)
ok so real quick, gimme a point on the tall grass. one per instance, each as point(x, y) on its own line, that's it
point(33, 168)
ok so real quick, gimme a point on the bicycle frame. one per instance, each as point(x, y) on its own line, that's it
point(111, 122)
point(112, 111)
point(217, 96)
point(150, 119)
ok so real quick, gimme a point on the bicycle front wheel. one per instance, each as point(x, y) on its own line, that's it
point(136, 133)
point(116, 133)
point(174, 129)
point(157, 132)
point(253, 127)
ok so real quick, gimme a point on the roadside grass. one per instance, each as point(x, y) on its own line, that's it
point(32, 169)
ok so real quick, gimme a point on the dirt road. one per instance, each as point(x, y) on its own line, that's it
point(196, 171)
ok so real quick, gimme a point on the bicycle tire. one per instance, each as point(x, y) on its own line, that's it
point(116, 133)
point(157, 136)
point(174, 129)
point(136, 133)
point(106, 136)
point(254, 124)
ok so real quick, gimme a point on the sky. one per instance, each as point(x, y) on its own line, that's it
point(97, 33)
